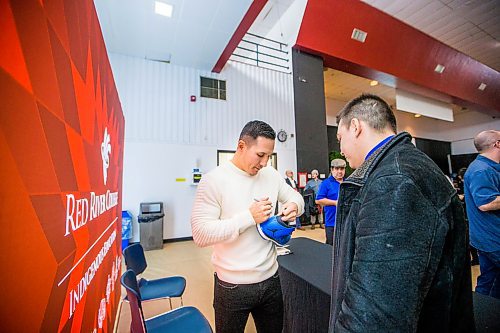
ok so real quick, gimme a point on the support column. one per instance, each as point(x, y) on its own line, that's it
point(310, 113)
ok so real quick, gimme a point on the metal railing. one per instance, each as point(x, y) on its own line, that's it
point(263, 52)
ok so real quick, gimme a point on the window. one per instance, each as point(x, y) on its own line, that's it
point(212, 88)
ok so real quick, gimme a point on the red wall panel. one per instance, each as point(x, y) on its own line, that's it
point(394, 53)
point(61, 142)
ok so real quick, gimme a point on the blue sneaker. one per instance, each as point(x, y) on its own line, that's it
point(275, 230)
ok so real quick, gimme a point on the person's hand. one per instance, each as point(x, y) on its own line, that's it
point(261, 209)
point(289, 211)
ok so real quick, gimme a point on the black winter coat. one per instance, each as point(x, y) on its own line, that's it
point(400, 253)
point(310, 206)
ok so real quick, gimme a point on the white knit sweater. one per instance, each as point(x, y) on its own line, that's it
point(221, 217)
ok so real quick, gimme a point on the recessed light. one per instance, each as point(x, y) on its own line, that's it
point(162, 8)
point(359, 35)
point(417, 115)
point(482, 86)
point(373, 83)
point(439, 68)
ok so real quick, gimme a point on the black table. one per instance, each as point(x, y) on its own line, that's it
point(306, 284)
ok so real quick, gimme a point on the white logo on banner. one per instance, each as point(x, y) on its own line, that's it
point(105, 151)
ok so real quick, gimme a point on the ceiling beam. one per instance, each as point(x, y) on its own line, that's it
point(245, 24)
point(394, 53)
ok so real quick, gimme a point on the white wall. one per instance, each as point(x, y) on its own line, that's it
point(460, 132)
point(470, 123)
point(166, 135)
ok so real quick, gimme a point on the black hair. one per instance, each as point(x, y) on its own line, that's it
point(256, 128)
point(370, 108)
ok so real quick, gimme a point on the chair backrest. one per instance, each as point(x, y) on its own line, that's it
point(129, 281)
point(134, 258)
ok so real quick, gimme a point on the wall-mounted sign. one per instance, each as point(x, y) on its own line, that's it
point(61, 142)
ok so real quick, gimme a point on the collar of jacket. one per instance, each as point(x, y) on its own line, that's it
point(360, 175)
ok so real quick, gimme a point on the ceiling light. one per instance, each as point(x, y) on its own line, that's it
point(482, 86)
point(373, 83)
point(439, 68)
point(162, 8)
point(359, 35)
point(417, 115)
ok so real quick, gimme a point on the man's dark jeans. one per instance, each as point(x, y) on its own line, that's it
point(488, 283)
point(329, 235)
point(233, 303)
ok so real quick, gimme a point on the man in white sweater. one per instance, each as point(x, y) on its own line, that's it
point(230, 201)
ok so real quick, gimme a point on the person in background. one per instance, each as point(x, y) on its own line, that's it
point(328, 195)
point(460, 190)
point(313, 184)
point(400, 254)
point(460, 183)
point(290, 181)
point(482, 197)
point(230, 201)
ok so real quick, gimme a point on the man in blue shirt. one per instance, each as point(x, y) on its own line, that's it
point(482, 197)
point(328, 194)
point(314, 184)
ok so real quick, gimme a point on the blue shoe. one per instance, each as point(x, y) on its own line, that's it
point(275, 230)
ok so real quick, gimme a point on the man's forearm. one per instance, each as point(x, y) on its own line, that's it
point(326, 202)
point(494, 205)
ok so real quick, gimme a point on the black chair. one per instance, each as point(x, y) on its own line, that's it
point(183, 319)
point(152, 289)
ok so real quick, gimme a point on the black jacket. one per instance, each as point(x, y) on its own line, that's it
point(287, 180)
point(310, 206)
point(400, 253)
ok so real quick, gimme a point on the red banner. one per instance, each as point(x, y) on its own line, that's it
point(61, 146)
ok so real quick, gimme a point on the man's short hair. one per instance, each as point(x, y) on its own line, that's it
point(371, 109)
point(485, 140)
point(256, 128)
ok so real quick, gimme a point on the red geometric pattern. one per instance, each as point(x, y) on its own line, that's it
point(58, 98)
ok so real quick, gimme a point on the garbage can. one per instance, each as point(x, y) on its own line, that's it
point(151, 225)
point(126, 228)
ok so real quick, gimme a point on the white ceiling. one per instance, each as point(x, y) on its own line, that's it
point(199, 31)
point(280, 20)
point(194, 36)
point(344, 87)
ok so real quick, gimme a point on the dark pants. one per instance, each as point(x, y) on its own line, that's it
point(329, 235)
point(474, 255)
point(488, 283)
point(234, 302)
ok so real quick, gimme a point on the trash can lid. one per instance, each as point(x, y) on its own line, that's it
point(125, 213)
point(145, 218)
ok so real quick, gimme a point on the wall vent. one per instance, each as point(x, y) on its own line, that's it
point(359, 35)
